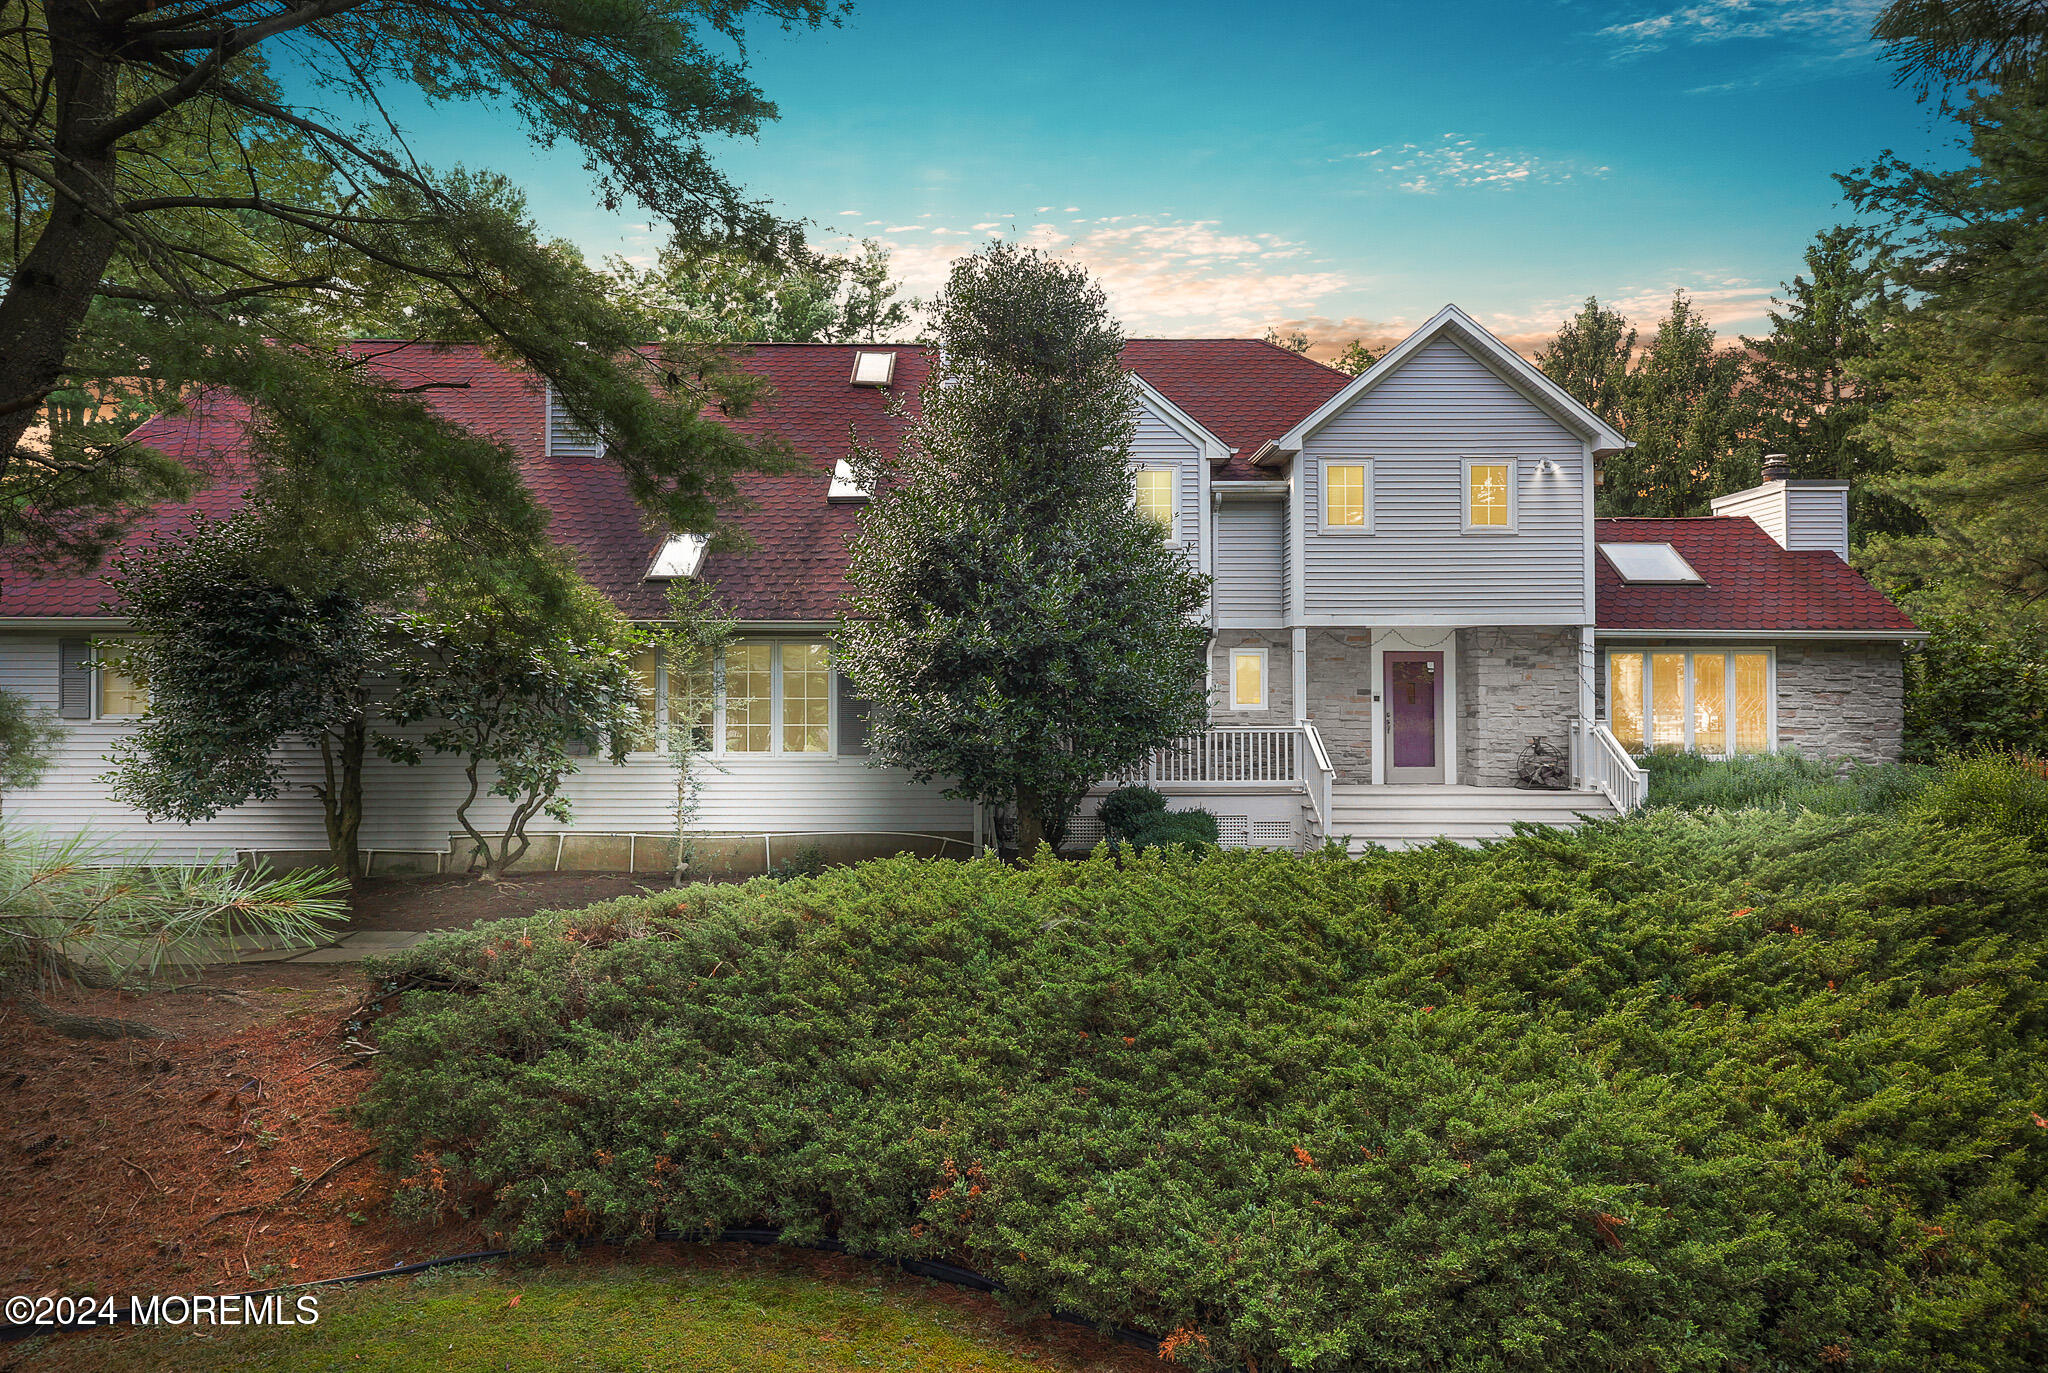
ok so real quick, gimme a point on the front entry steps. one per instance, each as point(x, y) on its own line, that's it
point(1405, 817)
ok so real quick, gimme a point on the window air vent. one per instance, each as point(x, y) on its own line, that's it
point(873, 369)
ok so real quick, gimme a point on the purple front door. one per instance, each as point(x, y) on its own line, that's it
point(1414, 699)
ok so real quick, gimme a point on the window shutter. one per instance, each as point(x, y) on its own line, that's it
point(74, 679)
point(853, 720)
point(567, 438)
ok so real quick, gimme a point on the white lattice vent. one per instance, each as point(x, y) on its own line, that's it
point(1084, 832)
point(1273, 834)
point(1234, 831)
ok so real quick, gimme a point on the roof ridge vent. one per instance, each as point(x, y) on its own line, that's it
point(873, 368)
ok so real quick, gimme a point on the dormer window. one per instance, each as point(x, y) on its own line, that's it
point(845, 485)
point(569, 437)
point(1650, 564)
point(680, 557)
point(873, 369)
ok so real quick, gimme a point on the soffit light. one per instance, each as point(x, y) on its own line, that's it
point(1650, 563)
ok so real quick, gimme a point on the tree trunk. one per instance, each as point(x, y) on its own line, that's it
point(49, 293)
point(1030, 826)
point(341, 800)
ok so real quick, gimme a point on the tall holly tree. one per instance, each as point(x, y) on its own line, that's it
point(242, 661)
point(1020, 630)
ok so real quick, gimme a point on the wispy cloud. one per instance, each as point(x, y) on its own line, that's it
point(1828, 22)
point(1162, 276)
point(1457, 161)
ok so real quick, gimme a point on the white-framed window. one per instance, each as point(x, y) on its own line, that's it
point(1156, 490)
point(773, 697)
point(116, 694)
point(1716, 701)
point(1346, 496)
point(1248, 679)
point(1491, 500)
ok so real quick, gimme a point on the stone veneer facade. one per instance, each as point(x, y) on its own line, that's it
point(1279, 678)
point(1513, 684)
point(1340, 698)
point(1842, 700)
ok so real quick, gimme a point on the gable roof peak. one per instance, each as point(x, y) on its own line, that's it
point(1504, 361)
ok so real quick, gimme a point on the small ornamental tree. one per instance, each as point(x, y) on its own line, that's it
point(239, 664)
point(517, 699)
point(1020, 630)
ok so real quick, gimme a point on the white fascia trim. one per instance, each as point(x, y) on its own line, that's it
point(1265, 490)
point(56, 622)
point(1362, 619)
point(1214, 450)
point(1505, 361)
point(1690, 633)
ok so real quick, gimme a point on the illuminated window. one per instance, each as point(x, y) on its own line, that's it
point(1490, 495)
point(647, 670)
point(1346, 496)
point(750, 698)
point(806, 699)
point(1154, 486)
point(1248, 679)
point(121, 695)
point(1711, 701)
point(692, 697)
point(1625, 699)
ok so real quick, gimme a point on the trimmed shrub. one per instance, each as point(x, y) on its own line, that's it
point(1190, 829)
point(1127, 808)
point(1690, 1092)
point(1782, 782)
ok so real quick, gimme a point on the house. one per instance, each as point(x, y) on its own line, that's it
point(1409, 587)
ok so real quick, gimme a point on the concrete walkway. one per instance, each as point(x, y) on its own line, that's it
point(352, 947)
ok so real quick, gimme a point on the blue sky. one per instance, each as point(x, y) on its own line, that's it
point(1342, 169)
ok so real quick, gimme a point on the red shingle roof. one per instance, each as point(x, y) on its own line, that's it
point(1750, 584)
point(1242, 390)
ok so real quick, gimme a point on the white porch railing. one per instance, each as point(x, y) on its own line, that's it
point(1266, 757)
point(1601, 763)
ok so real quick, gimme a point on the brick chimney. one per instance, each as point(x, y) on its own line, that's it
point(1798, 514)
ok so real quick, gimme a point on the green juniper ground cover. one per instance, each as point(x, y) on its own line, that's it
point(1737, 1089)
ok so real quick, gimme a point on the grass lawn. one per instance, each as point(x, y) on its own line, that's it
point(779, 1315)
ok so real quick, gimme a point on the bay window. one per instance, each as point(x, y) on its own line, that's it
point(1714, 701)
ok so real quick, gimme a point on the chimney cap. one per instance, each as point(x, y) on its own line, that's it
point(1777, 467)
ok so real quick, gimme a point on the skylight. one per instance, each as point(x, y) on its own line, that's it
point(681, 556)
point(873, 369)
point(1651, 563)
point(846, 486)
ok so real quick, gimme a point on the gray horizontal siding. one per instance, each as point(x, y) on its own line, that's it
point(1817, 519)
point(1159, 444)
point(414, 808)
point(1250, 565)
point(1419, 566)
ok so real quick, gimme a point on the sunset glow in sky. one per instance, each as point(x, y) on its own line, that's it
point(1342, 169)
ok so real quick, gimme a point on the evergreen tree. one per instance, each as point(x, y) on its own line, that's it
point(1590, 357)
point(1021, 631)
point(1678, 409)
point(1967, 363)
point(1807, 399)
